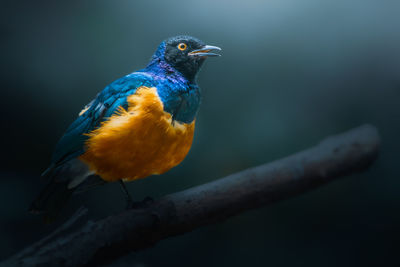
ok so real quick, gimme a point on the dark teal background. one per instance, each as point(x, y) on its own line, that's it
point(292, 72)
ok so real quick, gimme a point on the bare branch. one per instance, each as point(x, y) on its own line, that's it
point(107, 239)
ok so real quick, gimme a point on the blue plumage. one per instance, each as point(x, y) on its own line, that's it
point(180, 97)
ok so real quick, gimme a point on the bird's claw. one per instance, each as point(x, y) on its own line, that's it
point(139, 204)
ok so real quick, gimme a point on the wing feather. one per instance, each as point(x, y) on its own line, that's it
point(106, 103)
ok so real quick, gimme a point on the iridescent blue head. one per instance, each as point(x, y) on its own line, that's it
point(184, 54)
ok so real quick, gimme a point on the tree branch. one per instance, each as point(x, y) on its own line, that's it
point(107, 239)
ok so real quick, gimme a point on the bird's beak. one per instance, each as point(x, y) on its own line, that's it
point(205, 51)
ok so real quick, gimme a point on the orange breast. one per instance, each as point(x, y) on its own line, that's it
point(139, 141)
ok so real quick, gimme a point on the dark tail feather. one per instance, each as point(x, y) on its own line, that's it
point(58, 190)
point(51, 199)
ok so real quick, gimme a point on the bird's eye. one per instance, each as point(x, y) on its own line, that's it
point(182, 46)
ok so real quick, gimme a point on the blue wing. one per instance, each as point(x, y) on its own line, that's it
point(106, 103)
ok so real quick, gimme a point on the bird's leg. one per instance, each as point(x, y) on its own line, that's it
point(128, 198)
point(129, 201)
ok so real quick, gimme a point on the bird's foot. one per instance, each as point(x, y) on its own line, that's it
point(139, 204)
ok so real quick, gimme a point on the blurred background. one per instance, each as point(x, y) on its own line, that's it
point(292, 72)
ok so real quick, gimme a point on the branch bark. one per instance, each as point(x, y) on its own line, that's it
point(107, 239)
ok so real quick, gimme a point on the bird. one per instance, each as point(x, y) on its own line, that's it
point(139, 125)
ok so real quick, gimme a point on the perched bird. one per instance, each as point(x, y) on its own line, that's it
point(139, 125)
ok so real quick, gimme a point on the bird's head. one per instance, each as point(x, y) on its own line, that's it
point(185, 54)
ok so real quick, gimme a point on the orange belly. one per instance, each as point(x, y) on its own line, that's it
point(138, 142)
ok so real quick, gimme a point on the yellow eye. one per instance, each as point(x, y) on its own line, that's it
point(182, 46)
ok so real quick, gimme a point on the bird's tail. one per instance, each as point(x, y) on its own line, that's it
point(51, 200)
point(58, 190)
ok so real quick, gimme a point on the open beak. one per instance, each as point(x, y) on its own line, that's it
point(205, 51)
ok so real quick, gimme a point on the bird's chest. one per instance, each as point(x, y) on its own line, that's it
point(181, 104)
point(140, 141)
